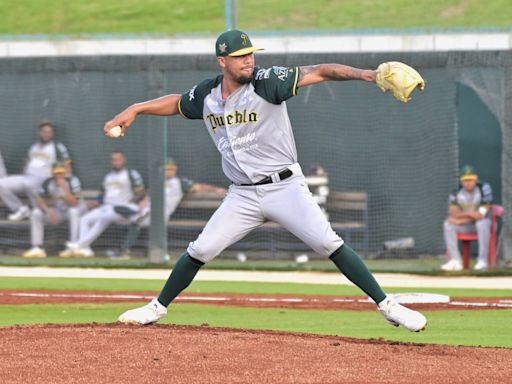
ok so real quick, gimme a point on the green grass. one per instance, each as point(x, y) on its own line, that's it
point(224, 287)
point(485, 328)
point(424, 265)
point(161, 16)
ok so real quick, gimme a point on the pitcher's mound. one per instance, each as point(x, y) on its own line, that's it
point(114, 353)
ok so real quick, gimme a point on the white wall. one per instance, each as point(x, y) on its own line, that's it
point(28, 47)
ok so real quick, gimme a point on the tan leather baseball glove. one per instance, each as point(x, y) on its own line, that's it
point(400, 79)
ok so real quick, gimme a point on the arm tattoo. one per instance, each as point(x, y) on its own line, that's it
point(332, 72)
point(342, 72)
point(303, 71)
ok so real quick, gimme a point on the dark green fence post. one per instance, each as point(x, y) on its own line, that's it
point(156, 155)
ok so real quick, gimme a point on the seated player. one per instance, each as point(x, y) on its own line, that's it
point(175, 188)
point(469, 212)
point(38, 168)
point(122, 190)
point(59, 200)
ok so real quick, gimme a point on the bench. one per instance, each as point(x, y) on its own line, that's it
point(347, 211)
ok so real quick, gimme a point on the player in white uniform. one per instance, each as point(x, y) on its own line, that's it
point(175, 189)
point(38, 168)
point(59, 200)
point(245, 113)
point(122, 190)
point(469, 212)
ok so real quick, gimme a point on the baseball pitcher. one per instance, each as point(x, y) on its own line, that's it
point(244, 112)
point(38, 168)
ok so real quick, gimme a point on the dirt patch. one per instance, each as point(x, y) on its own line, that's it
point(115, 353)
point(356, 303)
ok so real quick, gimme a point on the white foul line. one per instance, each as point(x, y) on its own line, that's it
point(499, 304)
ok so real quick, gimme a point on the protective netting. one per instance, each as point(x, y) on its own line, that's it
point(399, 161)
point(78, 103)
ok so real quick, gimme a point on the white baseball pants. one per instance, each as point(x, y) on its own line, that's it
point(93, 223)
point(481, 227)
point(16, 184)
point(38, 219)
point(288, 203)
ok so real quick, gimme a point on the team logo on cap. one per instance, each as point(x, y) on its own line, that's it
point(245, 39)
point(223, 47)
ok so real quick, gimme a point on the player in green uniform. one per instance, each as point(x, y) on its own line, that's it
point(244, 112)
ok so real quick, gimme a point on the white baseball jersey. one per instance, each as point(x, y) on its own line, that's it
point(41, 157)
point(251, 129)
point(119, 187)
point(472, 201)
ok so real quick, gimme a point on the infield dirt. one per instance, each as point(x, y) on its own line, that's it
point(114, 353)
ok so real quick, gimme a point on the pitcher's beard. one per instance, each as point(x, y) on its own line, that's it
point(242, 80)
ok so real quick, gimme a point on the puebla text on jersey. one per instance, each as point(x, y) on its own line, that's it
point(251, 128)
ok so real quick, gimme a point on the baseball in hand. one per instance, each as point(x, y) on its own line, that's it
point(115, 132)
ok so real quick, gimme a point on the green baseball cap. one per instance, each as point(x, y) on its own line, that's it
point(234, 43)
point(468, 172)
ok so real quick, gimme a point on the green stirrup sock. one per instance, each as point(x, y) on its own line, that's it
point(353, 267)
point(182, 275)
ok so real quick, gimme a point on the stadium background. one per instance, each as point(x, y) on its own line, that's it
point(68, 86)
point(406, 157)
